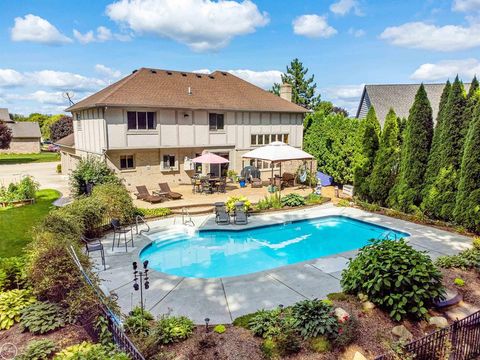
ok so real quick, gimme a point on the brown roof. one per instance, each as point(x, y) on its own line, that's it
point(170, 89)
point(67, 141)
point(25, 129)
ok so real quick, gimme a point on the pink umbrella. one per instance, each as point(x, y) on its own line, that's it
point(210, 158)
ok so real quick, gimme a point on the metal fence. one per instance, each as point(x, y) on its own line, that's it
point(459, 341)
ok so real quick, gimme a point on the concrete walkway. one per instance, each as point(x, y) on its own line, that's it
point(224, 299)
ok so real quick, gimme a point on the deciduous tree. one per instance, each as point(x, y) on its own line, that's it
point(5, 136)
point(61, 128)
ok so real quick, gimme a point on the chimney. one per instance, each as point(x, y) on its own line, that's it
point(286, 92)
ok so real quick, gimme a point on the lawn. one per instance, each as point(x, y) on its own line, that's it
point(44, 156)
point(16, 223)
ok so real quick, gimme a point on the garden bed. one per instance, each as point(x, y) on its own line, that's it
point(16, 203)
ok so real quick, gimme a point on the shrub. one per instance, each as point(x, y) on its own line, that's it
point(244, 321)
point(89, 351)
point(220, 329)
point(270, 202)
point(313, 318)
point(459, 282)
point(367, 206)
point(395, 277)
point(269, 349)
point(117, 202)
point(138, 323)
point(38, 350)
point(59, 168)
point(287, 342)
point(12, 273)
point(105, 337)
point(88, 212)
point(60, 223)
point(293, 200)
point(343, 203)
point(467, 259)
point(23, 190)
point(340, 296)
point(170, 329)
point(42, 317)
point(263, 321)
point(11, 304)
point(313, 199)
point(476, 243)
point(347, 332)
point(91, 171)
point(153, 213)
point(320, 344)
point(230, 204)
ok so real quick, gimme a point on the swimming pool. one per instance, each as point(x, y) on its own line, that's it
point(224, 253)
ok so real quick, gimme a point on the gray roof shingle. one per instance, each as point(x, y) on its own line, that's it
point(25, 129)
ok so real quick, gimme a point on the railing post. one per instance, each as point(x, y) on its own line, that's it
point(453, 339)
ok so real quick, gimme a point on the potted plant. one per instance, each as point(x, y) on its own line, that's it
point(232, 175)
point(242, 182)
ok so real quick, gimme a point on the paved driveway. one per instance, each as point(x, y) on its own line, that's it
point(44, 173)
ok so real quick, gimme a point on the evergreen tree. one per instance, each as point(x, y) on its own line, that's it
point(467, 208)
point(303, 87)
point(369, 145)
point(472, 100)
point(387, 160)
point(439, 196)
point(406, 194)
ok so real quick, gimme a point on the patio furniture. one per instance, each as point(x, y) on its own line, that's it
point(196, 185)
point(92, 245)
point(118, 229)
point(256, 183)
point(276, 181)
point(221, 185)
point(288, 179)
point(221, 215)
point(240, 216)
point(348, 190)
point(165, 190)
point(143, 194)
point(207, 187)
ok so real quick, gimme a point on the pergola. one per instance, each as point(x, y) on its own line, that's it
point(278, 152)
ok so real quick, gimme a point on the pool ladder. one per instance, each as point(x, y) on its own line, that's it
point(138, 220)
point(186, 218)
point(387, 236)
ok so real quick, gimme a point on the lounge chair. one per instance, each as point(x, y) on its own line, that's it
point(240, 216)
point(118, 229)
point(92, 245)
point(256, 183)
point(143, 194)
point(165, 190)
point(221, 215)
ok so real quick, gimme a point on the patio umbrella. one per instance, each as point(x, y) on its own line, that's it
point(210, 158)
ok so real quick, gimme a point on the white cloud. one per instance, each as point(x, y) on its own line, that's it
point(343, 7)
point(65, 80)
point(10, 77)
point(431, 37)
point(201, 24)
point(313, 26)
point(40, 96)
point(108, 72)
point(36, 29)
point(263, 79)
point(466, 5)
point(356, 32)
point(202, 71)
point(443, 70)
point(345, 96)
point(86, 38)
point(102, 34)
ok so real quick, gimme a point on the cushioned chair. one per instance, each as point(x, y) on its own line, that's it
point(240, 216)
point(165, 190)
point(221, 215)
point(143, 194)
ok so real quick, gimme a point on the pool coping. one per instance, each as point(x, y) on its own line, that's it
point(223, 299)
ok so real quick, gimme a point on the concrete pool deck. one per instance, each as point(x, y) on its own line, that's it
point(224, 299)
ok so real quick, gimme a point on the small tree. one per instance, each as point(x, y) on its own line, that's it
point(61, 128)
point(5, 136)
point(369, 142)
point(89, 172)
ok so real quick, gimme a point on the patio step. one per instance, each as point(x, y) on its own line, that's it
point(193, 210)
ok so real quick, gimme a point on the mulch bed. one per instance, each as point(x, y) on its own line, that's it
point(471, 289)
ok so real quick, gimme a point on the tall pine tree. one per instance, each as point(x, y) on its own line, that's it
point(439, 197)
point(467, 208)
point(303, 87)
point(406, 194)
point(369, 145)
point(387, 160)
point(472, 100)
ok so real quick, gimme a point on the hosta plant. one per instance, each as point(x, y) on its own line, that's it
point(42, 317)
point(89, 351)
point(11, 304)
point(170, 329)
point(293, 200)
point(396, 277)
point(314, 318)
point(138, 323)
point(38, 350)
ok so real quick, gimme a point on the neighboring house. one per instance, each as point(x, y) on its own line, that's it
point(25, 135)
point(67, 151)
point(148, 125)
point(400, 97)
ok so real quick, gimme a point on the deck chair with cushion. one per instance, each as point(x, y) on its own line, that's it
point(240, 216)
point(165, 190)
point(143, 194)
point(221, 215)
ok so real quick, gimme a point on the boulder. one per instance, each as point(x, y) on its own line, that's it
point(439, 321)
point(368, 306)
point(359, 356)
point(341, 314)
point(402, 333)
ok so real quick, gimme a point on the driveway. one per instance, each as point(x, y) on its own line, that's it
point(44, 173)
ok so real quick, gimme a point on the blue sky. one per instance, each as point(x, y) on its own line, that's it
point(51, 46)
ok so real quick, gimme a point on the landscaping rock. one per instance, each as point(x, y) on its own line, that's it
point(368, 306)
point(359, 356)
point(341, 314)
point(461, 311)
point(439, 321)
point(402, 333)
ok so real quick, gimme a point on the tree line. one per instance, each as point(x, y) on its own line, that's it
point(52, 127)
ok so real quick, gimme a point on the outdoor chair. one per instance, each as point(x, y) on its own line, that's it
point(118, 230)
point(165, 190)
point(288, 179)
point(256, 183)
point(143, 194)
point(240, 216)
point(92, 245)
point(222, 217)
point(221, 185)
point(207, 187)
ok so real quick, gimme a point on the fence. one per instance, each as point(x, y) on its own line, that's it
point(459, 341)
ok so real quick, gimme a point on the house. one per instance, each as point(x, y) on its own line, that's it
point(26, 135)
point(148, 125)
point(400, 97)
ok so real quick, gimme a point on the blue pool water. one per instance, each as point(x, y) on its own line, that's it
point(223, 253)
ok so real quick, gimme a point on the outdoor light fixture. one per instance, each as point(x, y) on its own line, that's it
point(140, 280)
point(207, 320)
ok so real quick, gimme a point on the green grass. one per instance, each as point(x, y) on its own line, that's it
point(44, 156)
point(16, 223)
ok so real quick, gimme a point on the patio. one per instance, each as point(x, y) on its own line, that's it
point(224, 299)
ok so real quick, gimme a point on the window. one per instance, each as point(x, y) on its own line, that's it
point(215, 122)
point(126, 162)
point(253, 139)
point(265, 139)
point(141, 120)
point(168, 161)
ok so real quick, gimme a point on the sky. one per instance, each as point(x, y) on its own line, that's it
point(49, 47)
